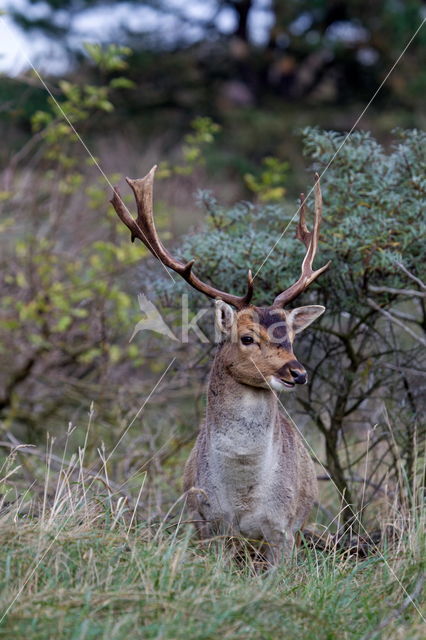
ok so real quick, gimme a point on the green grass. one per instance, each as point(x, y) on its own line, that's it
point(84, 571)
point(81, 559)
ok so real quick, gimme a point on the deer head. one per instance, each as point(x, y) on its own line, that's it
point(257, 342)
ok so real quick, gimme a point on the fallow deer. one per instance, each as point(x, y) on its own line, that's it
point(249, 473)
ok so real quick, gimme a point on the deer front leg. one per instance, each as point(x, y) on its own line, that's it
point(202, 526)
point(196, 498)
point(278, 547)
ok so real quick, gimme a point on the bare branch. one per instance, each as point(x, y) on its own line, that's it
point(405, 316)
point(421, 284)
point(400, 324)
point(403, 292)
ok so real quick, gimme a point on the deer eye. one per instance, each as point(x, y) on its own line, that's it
point(247, 340)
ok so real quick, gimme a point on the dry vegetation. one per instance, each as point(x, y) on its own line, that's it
point(95, 540)
point(85, 557)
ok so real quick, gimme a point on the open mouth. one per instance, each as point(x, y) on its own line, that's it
point(278, 384)
point(290, 385)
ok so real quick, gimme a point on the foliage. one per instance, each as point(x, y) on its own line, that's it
point(195, 144)
point(268, 186)
point(372, 218)
point(374, 202)
point(64, 313)
point(80, 103)
point(109, 59)
point(70, 275)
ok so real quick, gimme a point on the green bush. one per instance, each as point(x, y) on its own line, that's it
point(65, 316)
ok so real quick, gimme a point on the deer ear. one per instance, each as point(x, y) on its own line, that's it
point(224, 317)
point(301, 317)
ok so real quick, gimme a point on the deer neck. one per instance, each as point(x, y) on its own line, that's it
point(241, 420)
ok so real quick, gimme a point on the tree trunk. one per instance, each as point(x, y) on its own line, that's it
point(242, 9)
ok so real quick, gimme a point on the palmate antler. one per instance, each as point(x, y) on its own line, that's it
point(144, 229)
point(310, 240)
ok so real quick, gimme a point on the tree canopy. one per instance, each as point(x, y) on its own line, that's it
point(295, 49)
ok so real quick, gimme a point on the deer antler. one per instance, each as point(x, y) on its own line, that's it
point(310, 240)
point(144, 229)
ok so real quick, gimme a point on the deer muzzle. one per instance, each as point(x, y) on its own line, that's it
point(292, 373)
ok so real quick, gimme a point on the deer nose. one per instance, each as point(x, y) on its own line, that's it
point(298, 376)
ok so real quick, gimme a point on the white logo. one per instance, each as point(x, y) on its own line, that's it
point(153, 320)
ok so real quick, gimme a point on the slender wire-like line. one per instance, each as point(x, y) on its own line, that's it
point(46, 551)
point(311, 450)
point(58, 105)
point(310, 191)
point(170, 275)
point(140, 410)
point(86, 148)
point(346, 138)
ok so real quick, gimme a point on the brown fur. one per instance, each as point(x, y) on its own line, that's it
point(249, 473)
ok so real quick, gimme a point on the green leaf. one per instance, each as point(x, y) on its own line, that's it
point(122, 83)
point(63, 324)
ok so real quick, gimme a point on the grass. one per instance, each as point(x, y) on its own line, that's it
point(80, 562)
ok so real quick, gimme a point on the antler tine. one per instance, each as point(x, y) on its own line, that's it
point(144, 229)
point(310, 240)
point(302, 231)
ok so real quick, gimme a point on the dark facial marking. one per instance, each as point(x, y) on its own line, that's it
point(278, 333)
